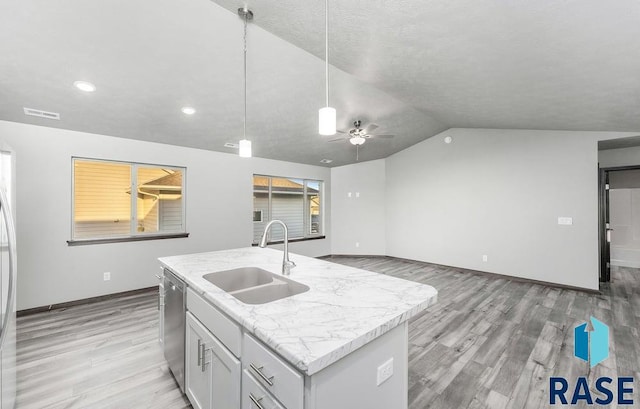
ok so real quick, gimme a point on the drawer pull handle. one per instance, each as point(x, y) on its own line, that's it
point(256, 401)
point(258, 370)
point(204, 356)
point(199, 351)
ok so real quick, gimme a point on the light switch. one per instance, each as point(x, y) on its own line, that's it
point(565, 221)
point(349, 194)
point(357, 194)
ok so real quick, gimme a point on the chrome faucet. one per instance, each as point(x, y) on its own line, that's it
point(287, 264)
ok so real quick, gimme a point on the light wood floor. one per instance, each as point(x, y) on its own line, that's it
point(488, 343)
point(494, 343)
point(102, 355)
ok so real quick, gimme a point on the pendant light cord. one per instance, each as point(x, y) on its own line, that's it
point(326, 48)
point(244, 130)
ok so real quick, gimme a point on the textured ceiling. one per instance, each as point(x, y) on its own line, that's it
point(415, 67)
point(543, 64)
point(149, 58)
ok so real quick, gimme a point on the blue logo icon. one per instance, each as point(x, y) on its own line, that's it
point(591, 342)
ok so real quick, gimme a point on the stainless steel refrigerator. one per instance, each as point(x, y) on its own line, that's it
point(7, 279)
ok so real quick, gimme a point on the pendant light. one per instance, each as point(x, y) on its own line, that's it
point(245, 144)
point(326, 115)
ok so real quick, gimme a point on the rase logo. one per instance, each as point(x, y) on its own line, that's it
point(591, 344)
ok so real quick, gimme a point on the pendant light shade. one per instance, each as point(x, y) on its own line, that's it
point(245, 148)
point(327, 121)
point(326, 115)
point(245, 144)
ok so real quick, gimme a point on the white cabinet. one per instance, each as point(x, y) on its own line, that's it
point(212, 372)
point(228, 368)
point(274, 375)
point(255, 396)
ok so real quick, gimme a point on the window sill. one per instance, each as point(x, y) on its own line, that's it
point(292, 240)
point(126, 239)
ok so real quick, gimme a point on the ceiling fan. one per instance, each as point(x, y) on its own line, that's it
point(358, 135)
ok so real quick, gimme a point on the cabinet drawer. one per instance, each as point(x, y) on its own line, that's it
point(275, 375)
point(222, 327)
point(251, 391)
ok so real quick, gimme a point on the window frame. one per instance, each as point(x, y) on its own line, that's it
point(306, 211)
point(133, 235)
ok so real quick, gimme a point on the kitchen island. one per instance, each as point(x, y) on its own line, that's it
point(340, 344)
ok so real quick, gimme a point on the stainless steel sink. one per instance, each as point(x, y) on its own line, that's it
point(253, 285)
point(239, 278)
point(279, 289)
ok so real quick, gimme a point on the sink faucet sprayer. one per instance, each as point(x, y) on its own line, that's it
point(287, 264)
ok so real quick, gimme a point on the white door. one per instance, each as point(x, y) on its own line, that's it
point(212, 372)
point(197, 378)
point(225, 386)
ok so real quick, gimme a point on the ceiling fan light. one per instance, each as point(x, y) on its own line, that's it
point(327, 121)
point(245, 148)
point(357, 140)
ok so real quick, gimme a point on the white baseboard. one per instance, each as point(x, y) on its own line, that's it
point(626, 263)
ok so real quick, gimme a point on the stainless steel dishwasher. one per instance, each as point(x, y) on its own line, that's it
point(174, 322)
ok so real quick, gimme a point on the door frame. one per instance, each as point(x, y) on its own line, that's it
point(603, 216)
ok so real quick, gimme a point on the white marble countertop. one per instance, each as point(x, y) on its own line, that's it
point(344, 309)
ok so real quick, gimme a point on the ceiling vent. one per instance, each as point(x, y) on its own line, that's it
point(41, 114)
point(326, 161)
point(231, 145)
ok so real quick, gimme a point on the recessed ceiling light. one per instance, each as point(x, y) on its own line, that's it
point(188, 110)
point(85, 86)
point(326, 161)
point(448, 139)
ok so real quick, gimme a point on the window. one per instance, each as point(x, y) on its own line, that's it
point(119, 200)
point(297, 202)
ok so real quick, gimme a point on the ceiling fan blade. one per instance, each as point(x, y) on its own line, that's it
point(371, 127)
point(382, 136)
point(338, 139)
point(340, 131)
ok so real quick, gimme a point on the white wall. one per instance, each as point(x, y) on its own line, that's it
point(619, 157)
point(218, 215)
point(499, 193)
point(358, 219)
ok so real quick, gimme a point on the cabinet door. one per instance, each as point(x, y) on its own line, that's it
point(213, 373)
point(225, 370)
point(198, 380)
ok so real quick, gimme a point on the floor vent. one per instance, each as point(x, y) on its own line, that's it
point(41, 114)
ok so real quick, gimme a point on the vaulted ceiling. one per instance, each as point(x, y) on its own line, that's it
point(414, 67)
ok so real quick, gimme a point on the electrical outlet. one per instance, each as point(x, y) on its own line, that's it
point(357, 244)
point(357, 194)
point(565, 221)
point(385, 371)
point(106, 276)
point(485, 258)
point(349, 194)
